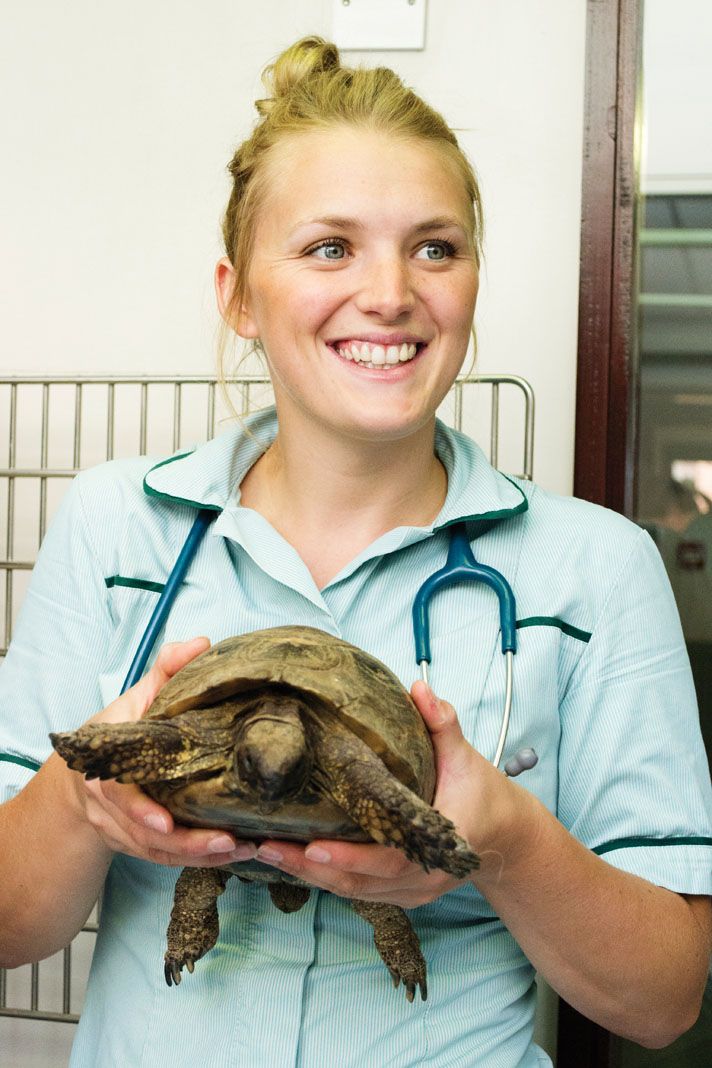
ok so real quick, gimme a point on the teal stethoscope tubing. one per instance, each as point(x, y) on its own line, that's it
point(460, 566)
point(170, 592)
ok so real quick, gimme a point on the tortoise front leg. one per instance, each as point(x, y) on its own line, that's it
point(361, 784)
point(141, 752)
point(194, 925)
point(397, 943)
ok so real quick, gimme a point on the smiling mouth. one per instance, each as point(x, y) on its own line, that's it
point(370, 355)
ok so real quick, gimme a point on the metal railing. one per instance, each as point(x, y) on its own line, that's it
point(55, 426)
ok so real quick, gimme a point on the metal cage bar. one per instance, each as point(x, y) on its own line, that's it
point(47, 471)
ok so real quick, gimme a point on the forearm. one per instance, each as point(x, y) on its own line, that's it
point(53, 865)
point(630, 955)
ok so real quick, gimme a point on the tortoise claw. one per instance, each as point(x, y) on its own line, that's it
point(172, 969)
point(410, 986)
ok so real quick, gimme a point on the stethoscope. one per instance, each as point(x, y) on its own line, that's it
point(460, 566)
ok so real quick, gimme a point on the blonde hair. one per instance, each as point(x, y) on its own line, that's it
point(309, 89)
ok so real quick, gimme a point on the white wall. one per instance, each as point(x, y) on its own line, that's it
point(677, 96)
point(118, 122)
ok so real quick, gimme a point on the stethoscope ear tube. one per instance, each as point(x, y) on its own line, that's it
point(165, 601)
point(461, 566)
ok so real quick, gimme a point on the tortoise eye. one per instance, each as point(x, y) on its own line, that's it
point(245, 763)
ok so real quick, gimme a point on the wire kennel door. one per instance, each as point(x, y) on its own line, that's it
point(55, 426)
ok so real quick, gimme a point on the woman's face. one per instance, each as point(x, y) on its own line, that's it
point(363, 280)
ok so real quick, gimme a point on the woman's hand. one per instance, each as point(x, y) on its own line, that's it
point(467, 784)
point(128, 820)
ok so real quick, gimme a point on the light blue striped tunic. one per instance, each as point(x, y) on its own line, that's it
point(602, 691)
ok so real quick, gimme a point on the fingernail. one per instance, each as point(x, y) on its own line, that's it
point(246, 851)
point(221, 844)
point(317, 854)
point(268, 853)
point(156, 822)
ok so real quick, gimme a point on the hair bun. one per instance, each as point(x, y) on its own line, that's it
point(305, 59)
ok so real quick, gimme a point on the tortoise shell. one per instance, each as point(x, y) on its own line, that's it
point(332, 677)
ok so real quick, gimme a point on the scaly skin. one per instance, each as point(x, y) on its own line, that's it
point(397, 943)
point(141, 752)
point(194, 925)
point(359, 782)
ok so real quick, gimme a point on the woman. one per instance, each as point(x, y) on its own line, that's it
point(352, 240)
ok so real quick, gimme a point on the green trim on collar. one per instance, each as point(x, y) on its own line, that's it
point(32, 765)
point(149, 491)
point(636, 843)
point(477, 494)
point(484, 521)
point(134, 583)
point(554, 621)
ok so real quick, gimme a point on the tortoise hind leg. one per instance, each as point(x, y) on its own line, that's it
point(194, 926)
point(361, 784)
point(397, 943)
point(288, 897)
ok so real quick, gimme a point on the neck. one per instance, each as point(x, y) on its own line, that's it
point(331, 497)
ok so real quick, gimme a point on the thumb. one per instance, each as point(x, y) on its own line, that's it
point(441, 720)
point(457, 763)
point(171, 658)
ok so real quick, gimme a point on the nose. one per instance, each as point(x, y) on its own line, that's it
point(387, 289)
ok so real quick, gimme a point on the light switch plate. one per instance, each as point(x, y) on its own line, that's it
point(385, 25)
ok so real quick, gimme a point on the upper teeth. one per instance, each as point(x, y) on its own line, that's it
point(377, 355)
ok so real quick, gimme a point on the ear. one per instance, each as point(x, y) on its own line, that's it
point(238, 319)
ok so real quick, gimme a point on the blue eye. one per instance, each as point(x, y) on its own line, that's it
point(436, 251)
point(329, 250)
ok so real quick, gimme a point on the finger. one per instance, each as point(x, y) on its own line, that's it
point(135, 807)
point(359, 859)
point(131, 822)
point(388, 877)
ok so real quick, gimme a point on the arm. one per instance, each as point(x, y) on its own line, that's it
point(629, 955)
point(58, 833)
point(630, 765)
point(58, 836)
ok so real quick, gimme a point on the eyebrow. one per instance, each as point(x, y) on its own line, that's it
point(344, 222)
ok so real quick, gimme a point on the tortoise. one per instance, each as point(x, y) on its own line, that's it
point(287, 732)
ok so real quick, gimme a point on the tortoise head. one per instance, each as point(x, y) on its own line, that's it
point(272, 758)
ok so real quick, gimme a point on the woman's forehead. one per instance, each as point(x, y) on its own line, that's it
point(328, 170)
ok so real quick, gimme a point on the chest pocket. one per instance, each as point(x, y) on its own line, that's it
point(545, 659)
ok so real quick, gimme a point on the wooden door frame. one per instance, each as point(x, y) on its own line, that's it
point(606, 394)
point(607, 377)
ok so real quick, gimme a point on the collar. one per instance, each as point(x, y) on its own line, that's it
point(206, 476)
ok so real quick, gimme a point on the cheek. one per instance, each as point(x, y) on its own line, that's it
point(305, 304)
point(456, 307)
